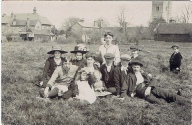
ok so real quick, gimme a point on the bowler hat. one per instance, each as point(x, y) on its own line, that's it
point(136, 62)
point(125, 57)
point(80, 48)
point(175, 46)
point(135, 48)
point(109, 56)
point(56, 48)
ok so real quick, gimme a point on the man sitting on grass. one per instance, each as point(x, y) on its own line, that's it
point(138, 84)
point(56, 87)
point(121, 73)
point(107, 72)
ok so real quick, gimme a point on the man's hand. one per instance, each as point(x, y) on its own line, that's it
point(132, 95)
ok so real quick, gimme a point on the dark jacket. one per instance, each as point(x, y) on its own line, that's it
point(50, 66)
point(79, 63)
point(130, 87)
point(107, 77)
point(120, 77)
point(175, 60)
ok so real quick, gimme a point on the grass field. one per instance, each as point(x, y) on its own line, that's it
point(22, 66)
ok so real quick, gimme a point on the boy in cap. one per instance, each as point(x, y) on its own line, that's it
point(175, 59)
point(121, 73)
point(107, 72)
point(138, 84)
point(134, 53)
point(79, 51)
point(60, 80)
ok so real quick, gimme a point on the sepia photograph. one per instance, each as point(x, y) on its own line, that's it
point(96, 62)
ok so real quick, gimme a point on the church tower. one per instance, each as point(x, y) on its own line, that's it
point(161, 9)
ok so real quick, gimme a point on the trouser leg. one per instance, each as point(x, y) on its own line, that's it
point(153, 99)
point(68, 94)
point(53, 93)
point(168, 95)
point(113, 90)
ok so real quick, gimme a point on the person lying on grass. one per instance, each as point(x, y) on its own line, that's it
point(51, 64)
point(138, 84)
point(85, 90)
point(79, 51)
point(62, 77)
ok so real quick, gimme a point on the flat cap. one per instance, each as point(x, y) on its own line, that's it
point(109, 56)
point(175, 46)
point(136, 48)
point(125, 57)
point(136, 62)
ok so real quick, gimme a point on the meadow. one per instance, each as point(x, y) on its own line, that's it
point(22, 66)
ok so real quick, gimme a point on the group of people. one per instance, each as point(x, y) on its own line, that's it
point(108, 73)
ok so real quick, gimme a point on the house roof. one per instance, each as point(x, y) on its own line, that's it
point(21, 17)
point(5, 19)
point(41, 32)
point(12, 30)
point(86, 25)
point(173, 28)
point(24, 22)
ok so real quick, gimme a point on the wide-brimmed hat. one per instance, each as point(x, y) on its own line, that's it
point(109, 56)
point(80, 48)
point(136, 62)
point(125, 57)
point(56, 48)
point(134, 48)
point(175, 46)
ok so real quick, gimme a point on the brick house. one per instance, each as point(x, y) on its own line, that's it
point(84, 30)
point(32, 25)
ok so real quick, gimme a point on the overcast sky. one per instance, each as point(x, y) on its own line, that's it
point(138, 12)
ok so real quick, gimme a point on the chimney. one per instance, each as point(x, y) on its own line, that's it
point(34, 10)
point(95, 24)
point(82, 20)
point(4, 15)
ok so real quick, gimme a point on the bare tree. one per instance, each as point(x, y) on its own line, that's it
point(121, 17)
point(186, 14)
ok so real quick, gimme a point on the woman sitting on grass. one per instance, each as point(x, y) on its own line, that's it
point(79, 51)
point(94, 79)
point(138, 84)
point(51, 64)
point(61, 79)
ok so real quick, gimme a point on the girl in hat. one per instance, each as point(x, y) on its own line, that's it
point(109, 48)
point(79, 51)
point(51, 64)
